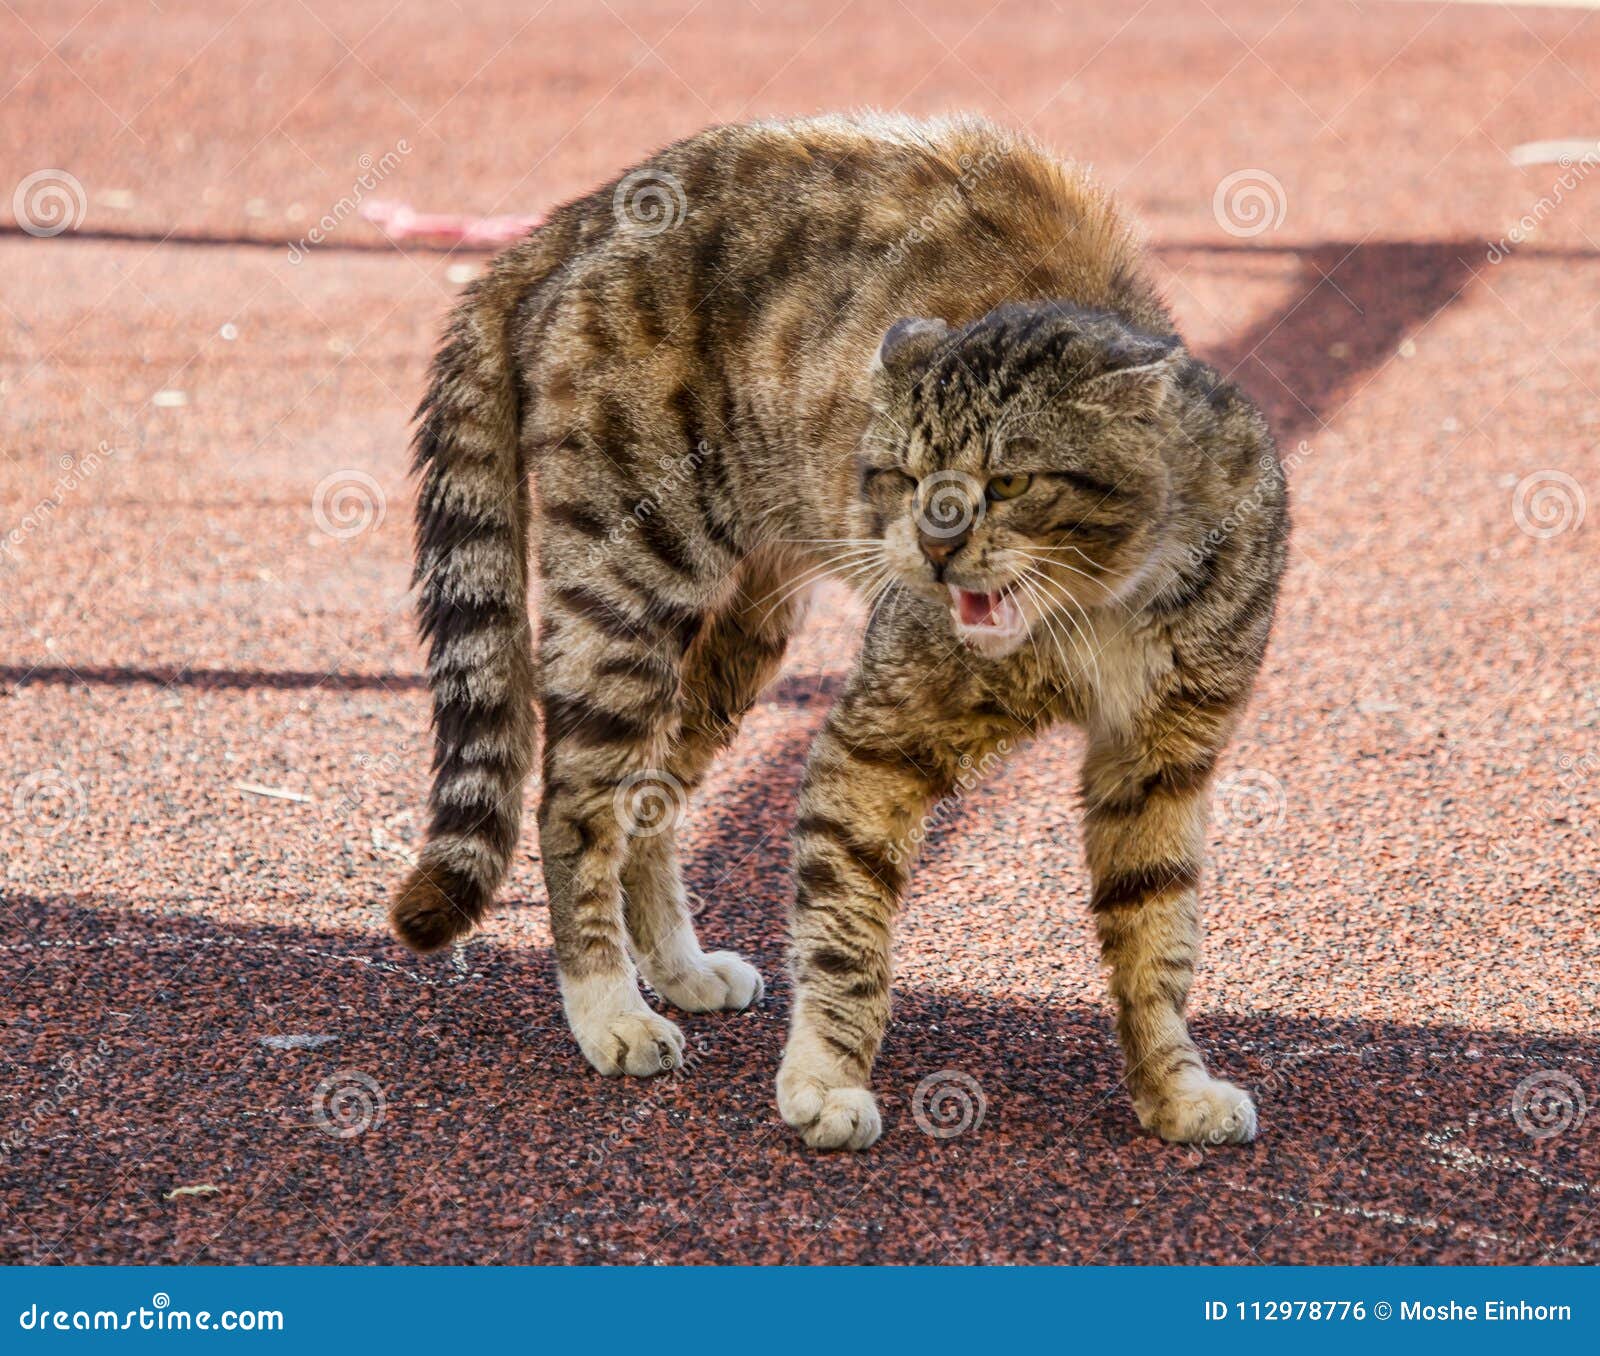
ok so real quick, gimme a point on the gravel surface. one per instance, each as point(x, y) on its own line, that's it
point(216, 742)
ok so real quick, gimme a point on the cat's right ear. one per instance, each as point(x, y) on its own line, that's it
point(907, 345)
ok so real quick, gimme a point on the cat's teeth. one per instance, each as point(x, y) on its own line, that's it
point(995, 611)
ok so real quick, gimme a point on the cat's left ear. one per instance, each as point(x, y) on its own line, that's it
point(1141, 389)
point(907, 344)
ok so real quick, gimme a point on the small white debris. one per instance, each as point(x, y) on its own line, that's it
point(275, 792)
point(461, 273)
point(1408, 348)
point(118, 199)
point(1552, 152)
point(297, 1042)
point(230, 331)
point(169, 399)
point(203, 1189)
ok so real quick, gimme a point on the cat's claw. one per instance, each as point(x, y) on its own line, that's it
point(617, 1032)
point(637, 1043)
point(1201, 1111)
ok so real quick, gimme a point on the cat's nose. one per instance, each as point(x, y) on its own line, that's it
point(938, 550)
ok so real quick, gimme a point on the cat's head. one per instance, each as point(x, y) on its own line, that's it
point(1013, 467)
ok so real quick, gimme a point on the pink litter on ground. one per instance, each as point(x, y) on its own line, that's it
point(400, 221)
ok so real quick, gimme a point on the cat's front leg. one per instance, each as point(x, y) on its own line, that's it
point(1144, 832)
point(858, 828)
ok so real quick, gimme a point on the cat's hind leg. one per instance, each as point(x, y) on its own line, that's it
point(611, 660)
point(735, 655)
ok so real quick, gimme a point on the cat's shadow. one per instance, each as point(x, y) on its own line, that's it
point(221, 1050)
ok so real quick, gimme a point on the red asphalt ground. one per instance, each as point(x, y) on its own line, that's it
point(1401, 955)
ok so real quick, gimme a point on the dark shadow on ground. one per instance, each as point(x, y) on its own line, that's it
point(1353, 306)
point(450, 1119)
point(61, 675)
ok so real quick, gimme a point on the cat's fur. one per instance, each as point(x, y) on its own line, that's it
point(685, 409)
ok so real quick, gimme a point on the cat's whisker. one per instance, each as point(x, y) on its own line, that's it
point(832, 541)
point(1058, 632)
point(1110, 593)
point(1046, 585)
point(1044, 618)
point(1040, 590)
point(1078, 551)
point(841, 563)
point(881, 590)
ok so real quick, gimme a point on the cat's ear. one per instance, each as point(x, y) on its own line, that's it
point(907, 344)
point(1141, 389)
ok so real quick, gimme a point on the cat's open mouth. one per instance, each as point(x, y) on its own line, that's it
point(990, 622)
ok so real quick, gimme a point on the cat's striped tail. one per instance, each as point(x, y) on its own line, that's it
point(472, 578)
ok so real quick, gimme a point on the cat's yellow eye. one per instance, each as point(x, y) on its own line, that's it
point(1008, 487)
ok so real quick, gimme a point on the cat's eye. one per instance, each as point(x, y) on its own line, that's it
point(890, 478)
point(1008, 487)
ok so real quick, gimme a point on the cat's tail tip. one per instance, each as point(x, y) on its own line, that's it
point(433, 908)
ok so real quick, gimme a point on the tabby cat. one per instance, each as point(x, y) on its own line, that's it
point(921, 356)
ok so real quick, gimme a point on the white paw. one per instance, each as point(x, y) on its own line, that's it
point(827, 1117)
point(617, 1033)
point(1201, 1110)
point(720, 982)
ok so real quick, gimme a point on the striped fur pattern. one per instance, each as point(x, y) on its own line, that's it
point(921, 357)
